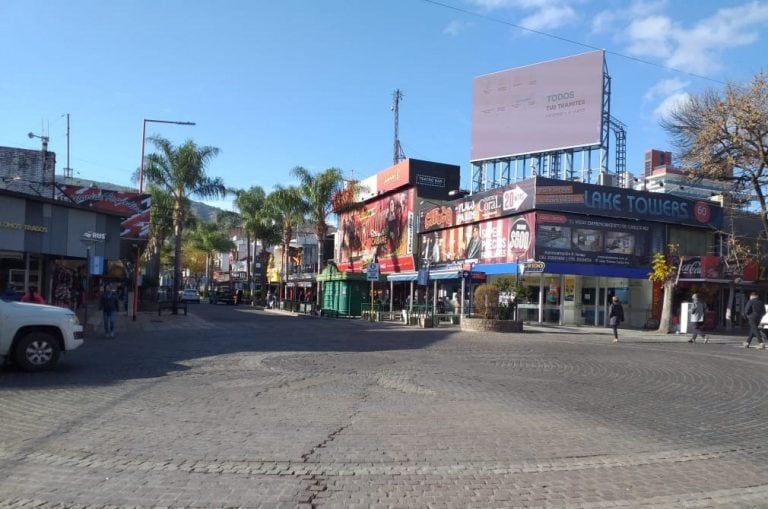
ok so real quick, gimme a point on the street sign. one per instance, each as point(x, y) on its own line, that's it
point(533, 267)
point(422, 278)
point(373, 272)
point(96, 265)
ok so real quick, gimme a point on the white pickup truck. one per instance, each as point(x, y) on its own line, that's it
point(34, 335)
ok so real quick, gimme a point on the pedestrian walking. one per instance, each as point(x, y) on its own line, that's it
point(10, 294)
point(109, 305)
point(754, 311)
point(615, 317)
point(32, 296)
point(697, 319)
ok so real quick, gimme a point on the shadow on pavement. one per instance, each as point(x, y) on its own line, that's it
point(146, 353)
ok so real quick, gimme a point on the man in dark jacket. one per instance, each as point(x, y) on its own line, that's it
point(109, 305)
point(754, 311)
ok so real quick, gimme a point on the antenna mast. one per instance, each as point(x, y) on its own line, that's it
point(399, 155)
point(68, 170)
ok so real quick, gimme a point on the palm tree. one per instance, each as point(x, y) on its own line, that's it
point(258, 221)
point(180, 171)
point(160, 227)
point(319, 191)
point(288, 204)
point(210, 239)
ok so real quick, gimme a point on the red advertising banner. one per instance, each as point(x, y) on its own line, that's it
point(487, 205)
point(134, 206)
point(496, 241)
point(382, 229)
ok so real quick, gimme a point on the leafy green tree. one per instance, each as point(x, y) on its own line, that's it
point(725, 137)
point(181, 172)
point(319, 191)
point(288, 204)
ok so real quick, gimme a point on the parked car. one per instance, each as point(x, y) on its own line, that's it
point(222, 294)
point(190, 295)
point(35, 335)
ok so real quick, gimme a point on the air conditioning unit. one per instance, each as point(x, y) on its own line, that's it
point(606, 179)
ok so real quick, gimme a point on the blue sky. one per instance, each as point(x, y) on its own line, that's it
point(276, 84)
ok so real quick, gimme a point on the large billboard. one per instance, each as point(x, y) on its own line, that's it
point(566, 238)
point(604, 201)
point(502, 240)
point(133, 206)
point(542, 107)
point(381, 229)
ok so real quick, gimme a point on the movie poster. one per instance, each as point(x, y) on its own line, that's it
point(382, 230)
point(502, 240)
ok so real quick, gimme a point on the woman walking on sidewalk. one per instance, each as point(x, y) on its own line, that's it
point(615, 317)
point(697, 319)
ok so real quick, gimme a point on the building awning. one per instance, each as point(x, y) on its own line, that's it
point(435, 275)
point(403, 276)
point(497, 268)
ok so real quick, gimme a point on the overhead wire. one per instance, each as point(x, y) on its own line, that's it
point(570, 41)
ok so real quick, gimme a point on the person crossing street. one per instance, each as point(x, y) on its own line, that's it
point(754, 311)
point(697, 319)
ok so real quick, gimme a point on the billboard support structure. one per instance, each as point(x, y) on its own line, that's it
point(605, 121)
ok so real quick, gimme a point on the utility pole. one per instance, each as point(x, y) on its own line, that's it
point(399, 155)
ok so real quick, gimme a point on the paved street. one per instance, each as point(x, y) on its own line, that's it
point(232, 407)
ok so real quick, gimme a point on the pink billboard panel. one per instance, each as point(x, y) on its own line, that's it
point(548, 106)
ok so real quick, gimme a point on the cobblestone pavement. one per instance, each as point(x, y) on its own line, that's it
point(232, 407)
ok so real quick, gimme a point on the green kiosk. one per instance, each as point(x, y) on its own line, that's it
point(344, 293)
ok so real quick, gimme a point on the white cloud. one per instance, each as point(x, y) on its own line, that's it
point(666, 87)
point(650, 36)
point(538, 14)
point(670, 104)
point(553, 16)
point(669, 94)
point(606, 20)
point(699, 49)
point(648, 32)
point(456, 27)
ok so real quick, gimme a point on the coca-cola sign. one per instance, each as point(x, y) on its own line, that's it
point(716, 269)
point(691, 268)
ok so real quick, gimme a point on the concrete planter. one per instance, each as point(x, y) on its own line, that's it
point(491, 325)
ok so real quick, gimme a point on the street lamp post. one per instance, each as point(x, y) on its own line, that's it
point(141, 190)
point(144, 139)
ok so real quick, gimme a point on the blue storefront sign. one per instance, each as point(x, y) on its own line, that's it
point(96, 265)
point(604, 201)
